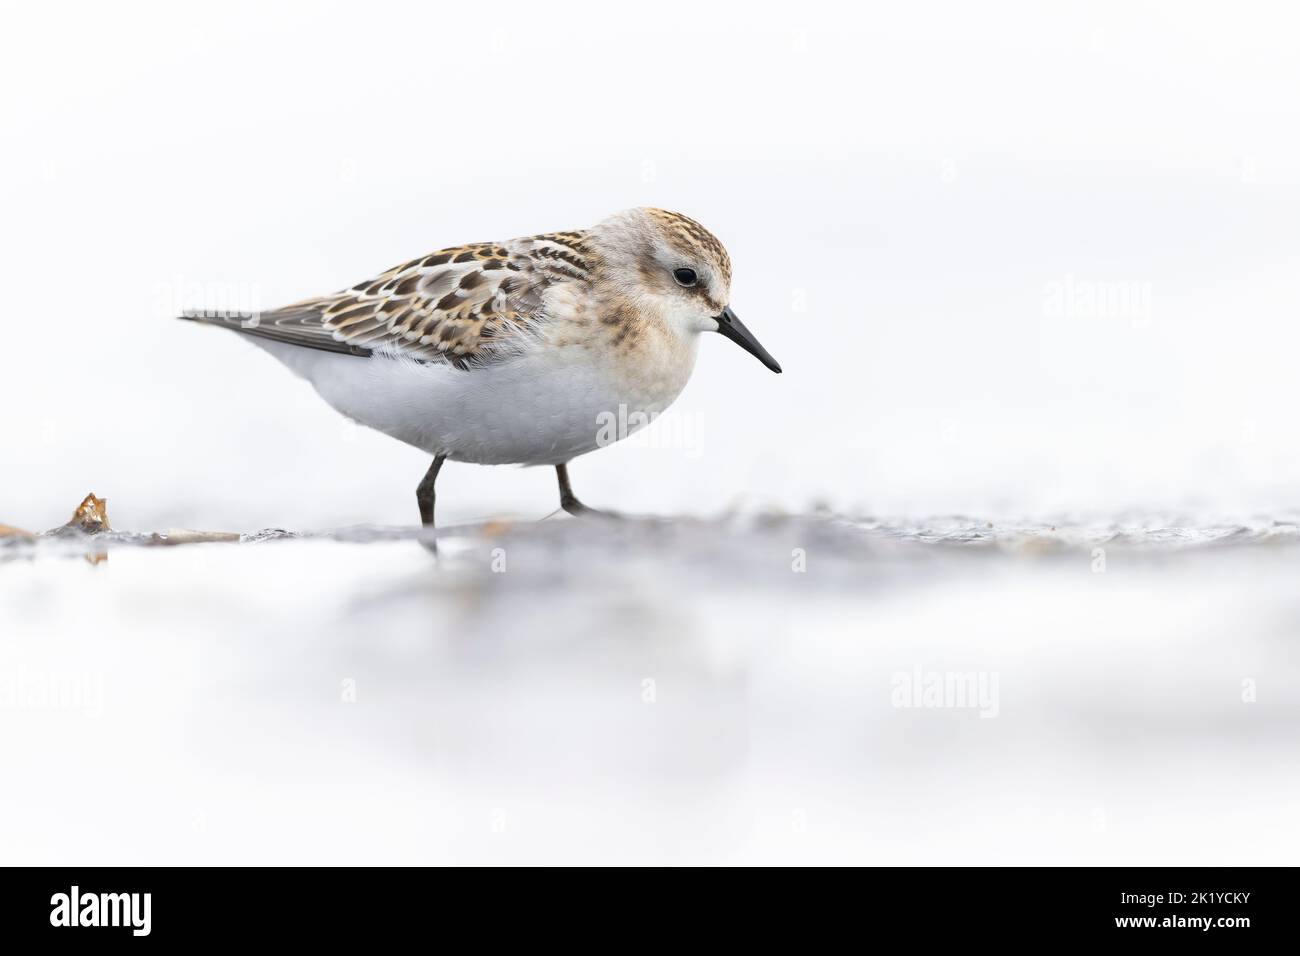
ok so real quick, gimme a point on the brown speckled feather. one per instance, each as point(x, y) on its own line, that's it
point(464, 305)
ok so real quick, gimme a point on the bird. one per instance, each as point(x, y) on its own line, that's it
point(514, 352)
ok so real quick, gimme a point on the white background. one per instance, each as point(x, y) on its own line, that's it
point(900, 186)
point(907, 191)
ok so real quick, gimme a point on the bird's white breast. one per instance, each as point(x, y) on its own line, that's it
point(544, 406)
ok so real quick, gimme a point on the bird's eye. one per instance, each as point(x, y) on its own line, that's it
point(686, 277)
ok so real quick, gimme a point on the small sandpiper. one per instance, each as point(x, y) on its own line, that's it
point(515, 352)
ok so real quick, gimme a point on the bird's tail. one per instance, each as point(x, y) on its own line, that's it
point(240, 321)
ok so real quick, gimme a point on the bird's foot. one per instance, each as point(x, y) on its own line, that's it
point(573, 506)
point(428, 540)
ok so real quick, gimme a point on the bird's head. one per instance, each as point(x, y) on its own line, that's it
point(671, 266)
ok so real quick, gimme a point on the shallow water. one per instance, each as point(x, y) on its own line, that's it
point(1119, 689)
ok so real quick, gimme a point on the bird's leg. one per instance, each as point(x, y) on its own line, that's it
point(425, 497)
point(569, 501)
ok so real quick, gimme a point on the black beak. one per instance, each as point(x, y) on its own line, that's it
point(732, 328)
